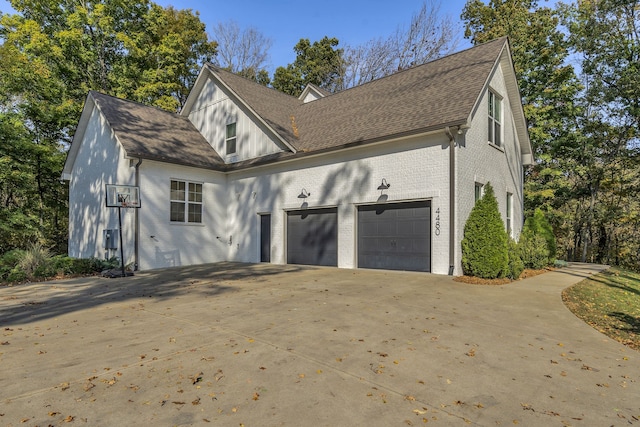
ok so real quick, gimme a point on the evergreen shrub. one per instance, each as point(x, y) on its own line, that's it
point(516, 265)
point(484, 245)
point(534, 251)
point(538, 224)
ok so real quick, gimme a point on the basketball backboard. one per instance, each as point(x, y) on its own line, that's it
point(122, 196)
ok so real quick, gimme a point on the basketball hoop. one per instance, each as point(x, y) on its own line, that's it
point(122, 196)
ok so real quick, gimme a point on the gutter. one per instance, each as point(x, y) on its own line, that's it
point(452, 198)
point(136, 235)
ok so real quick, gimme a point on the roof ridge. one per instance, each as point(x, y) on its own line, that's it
point(405, 70)
point(130, 101)
point(216, 69)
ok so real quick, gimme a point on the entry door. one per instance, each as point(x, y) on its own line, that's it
point(312, 237)
point(395, 236)
point(265, 238)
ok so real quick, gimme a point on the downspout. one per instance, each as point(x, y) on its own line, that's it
point(452, 199)
point(136, 236)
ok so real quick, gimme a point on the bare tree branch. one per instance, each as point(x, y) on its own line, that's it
point(428, 37)
point(241, 51)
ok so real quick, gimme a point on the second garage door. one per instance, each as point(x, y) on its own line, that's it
point(312, 237)
point(395, 236)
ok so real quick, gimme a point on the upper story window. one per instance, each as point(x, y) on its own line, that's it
point(479, 191)
point(186, 202)
point(231, 139)
point(495, 119)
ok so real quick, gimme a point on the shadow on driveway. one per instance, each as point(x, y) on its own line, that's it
point(38, 301)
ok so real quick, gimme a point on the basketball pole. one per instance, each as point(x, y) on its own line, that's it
point(121, 245)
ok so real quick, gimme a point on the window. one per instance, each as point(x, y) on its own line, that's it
point(231, 138)
point(479, 191)
point(495, 119)
point(509, 214)
point(186, 202)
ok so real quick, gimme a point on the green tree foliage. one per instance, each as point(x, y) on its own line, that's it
point(319, 63)
point(605, 204)
point(547, 82)
point(484, 246)
point(516, 265)
point(538, 224)
point(533, 251)
point(51, 54)
point(583, 128)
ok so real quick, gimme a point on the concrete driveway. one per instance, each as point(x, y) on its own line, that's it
point(266, 345)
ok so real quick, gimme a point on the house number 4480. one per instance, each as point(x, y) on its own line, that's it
point(437, 224)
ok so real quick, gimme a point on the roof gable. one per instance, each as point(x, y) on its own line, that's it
point(148, 133)
point(425, 98)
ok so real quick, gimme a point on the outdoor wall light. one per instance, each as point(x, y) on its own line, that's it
point(303, 194)
point(384, 185)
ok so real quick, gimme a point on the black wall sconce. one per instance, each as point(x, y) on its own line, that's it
point(303, 194)
point(384, 185)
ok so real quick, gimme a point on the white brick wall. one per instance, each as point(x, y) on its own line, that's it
point(479, 161)
point(416, 169)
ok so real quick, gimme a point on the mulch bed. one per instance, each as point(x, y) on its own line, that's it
point(503, 281)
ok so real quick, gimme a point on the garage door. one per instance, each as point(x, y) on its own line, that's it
point(395, 236)
point(312, 237)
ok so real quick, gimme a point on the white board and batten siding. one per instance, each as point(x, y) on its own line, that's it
point(100, 161)
point(214, 109)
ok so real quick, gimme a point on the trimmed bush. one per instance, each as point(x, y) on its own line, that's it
point(534, 251)
point(484, 246)
point(516, 265)
point(539, 225)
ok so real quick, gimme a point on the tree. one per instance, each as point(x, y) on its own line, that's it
point(485, 241)
point(319, 63)
point(242, 51)
point(428, 37)
point(539, 224)
point(547, 82)
point(51, 54)
point(169, 55)
point(606, 39)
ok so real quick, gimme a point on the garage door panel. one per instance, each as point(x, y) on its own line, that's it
point(312, 237)
point(395, 236)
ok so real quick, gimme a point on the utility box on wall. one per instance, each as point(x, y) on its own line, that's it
point(110, 238)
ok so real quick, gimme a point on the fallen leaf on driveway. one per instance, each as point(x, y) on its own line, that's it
point(196, 378)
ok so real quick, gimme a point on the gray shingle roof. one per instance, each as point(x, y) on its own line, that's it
point(427, 97)
point(420, 99)
point(155, 134)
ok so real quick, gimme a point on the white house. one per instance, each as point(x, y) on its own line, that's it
point(382, 175)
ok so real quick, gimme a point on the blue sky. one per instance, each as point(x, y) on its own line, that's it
point(286, 21)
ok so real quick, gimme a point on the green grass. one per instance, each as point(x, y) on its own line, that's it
point(610, 302)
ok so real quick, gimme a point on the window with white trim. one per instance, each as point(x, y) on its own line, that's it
point(479, 191)
point(495, 119)
point(230, 139)
point(186, 201)
point(509, 214)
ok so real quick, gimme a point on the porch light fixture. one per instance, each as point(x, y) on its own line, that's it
point(303, 194)
point(384, 185)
